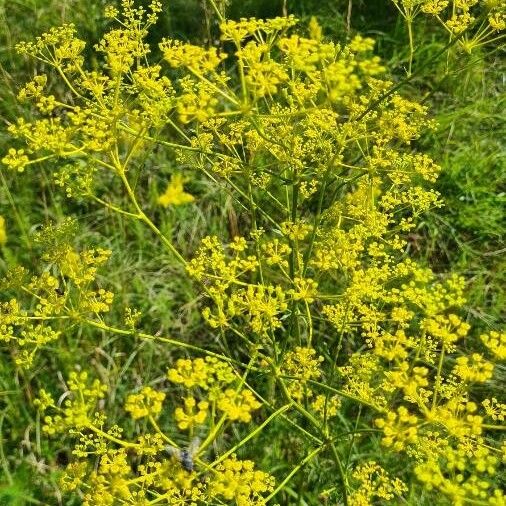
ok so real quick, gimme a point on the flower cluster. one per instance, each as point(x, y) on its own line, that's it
point(147, 402)
point(166, 471)
point(304, 365)
point(474, 22)
point(239, 481)
point(375, 483)
point(45, 305)
point(496, 343)
point(222, 388)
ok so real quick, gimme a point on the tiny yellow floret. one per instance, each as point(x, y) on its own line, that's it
point(174, 194)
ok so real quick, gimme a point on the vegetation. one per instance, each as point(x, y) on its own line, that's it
point(252, 260)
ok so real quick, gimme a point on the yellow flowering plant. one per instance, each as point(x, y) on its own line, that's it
point(156, 466)
point(319, 321)
point(468, 23)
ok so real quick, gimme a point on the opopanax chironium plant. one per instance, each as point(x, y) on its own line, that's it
point(321, 323)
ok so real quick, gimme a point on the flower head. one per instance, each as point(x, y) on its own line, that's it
point(174, 194)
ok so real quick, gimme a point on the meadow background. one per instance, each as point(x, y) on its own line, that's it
point(465, 94)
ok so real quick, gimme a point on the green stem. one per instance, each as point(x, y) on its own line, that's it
point(295, 470)
point(251, 435)
point(437, 386)
point(167, 340)
point(409, 22)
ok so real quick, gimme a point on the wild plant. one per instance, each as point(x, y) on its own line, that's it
point(468, 23)
point(320, 323)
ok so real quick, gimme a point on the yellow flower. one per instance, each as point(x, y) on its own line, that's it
point(304, 365)
point(146, 403)
point(174, 194)
point(73, 475)
point(399, 429)
point(474, 368)
point(375, 482)
point(495, 409)
point(16, 159)
point(188, 417)
point(179, 54)
point(496, 343)
point(326, 407)
point(239, 480)
point(238, 406)
point(305, 289)
point(204, 373)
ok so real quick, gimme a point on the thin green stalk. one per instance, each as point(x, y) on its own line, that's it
point(5, 464)
point(409, 22)
point(161, 339)
point(105, 435)
point(17, 215)
point(437, 386)
point(294, 471)
point(317, 219)
point(251, 435)
point(342, 472)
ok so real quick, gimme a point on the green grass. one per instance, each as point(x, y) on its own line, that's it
point(467, 235)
